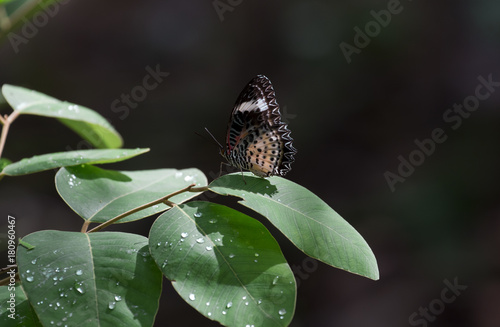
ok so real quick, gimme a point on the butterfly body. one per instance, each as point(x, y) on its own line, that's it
point(257, 140)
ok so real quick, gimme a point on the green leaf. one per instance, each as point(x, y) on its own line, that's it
point(69, 158)
point(85, 122)
point(224, 264)
point(22, 314)
point(98, 195)
point(312, 225)
point(4, 162)
point(98, 279)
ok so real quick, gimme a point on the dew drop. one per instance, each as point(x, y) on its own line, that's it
point(79, 288)
point(200, 240)
point(184, 235)
point(212, 221)
point(209, 314)
point(246, 303)
point(188, 178)
point(208, 303)
point(282, 312)
point(30, 278)
point(164, 263)
point(111, 305)
point(229, 304)
point(198, 214)
point(33, 262)
point(118, 298)
point(244, 298)
point(275, 280)
point(231, 255)
point(79, 272)
point(208, 248)
point(192, 297)
point(224, 312)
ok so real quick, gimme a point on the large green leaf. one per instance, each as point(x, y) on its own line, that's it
point(98, 279)
point(312, 225)
point(225, 264)
point(85, 122)
point(69, 158)
point(15, 309)
point(98, 195)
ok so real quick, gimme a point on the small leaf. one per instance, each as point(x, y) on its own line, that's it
point(98, 279)
point(85, 122)
point(312, 225)
point(26, 245)
point(22, 315)
point(70, 158)
point(98, 195)
point(224, 264)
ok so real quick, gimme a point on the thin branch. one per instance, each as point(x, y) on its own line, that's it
point(4, 269)
point(4, 19)
point(164, 199)
point(5, 129)
point(15, 18)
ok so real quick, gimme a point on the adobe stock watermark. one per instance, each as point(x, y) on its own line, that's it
point(454, 118)
point(428, 314)
point(30, 28)
point(304, 270)
point(138, 93)
point(362, 38)
point(11, 258)
point(223, 6)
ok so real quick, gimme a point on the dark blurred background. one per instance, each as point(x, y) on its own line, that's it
point(352, 117)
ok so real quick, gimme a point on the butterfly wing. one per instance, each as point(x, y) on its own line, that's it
point(257, 140)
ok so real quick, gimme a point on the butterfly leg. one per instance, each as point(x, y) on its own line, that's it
point(243, 176)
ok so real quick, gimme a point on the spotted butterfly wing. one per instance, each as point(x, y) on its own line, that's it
point(257, 140)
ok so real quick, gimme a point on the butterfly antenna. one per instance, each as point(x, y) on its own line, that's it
point(213, 137)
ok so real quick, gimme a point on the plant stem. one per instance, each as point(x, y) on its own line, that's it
point(164, 199)
point(85, 226)
point(7, 120)
point(9, 23)
point(4, 19)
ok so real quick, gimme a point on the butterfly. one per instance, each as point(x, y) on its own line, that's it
point(257, 140)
